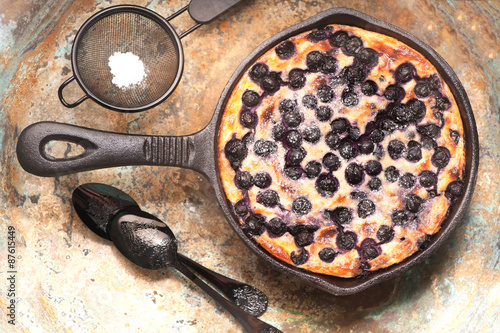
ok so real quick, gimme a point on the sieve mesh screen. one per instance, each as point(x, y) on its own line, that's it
point(127, 32)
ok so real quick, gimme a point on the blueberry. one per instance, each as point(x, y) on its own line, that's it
point(455, 136)
point(385, 234)
point(258, 72)
point(347, 240)
point(430, 130)
point(354, 74)
point(285, 50)
point(454, 189)
point(340, 215)
point(254, 225)
point(394, 92)
point(287, 105)
point(441, 157)
point(326, 185)
point(365, 208)
point(299, 258)
point(367, 56)
point(331, 162)
point(417, 109)
point(354, 174)
point(293, 139)
point(366, 147)
point(389, 126)
point(310, 102)
point(278, 131)
point(358, 195)
point(297, 78)
point(262, 180)
point(399, 217)
point(240, 208)
point(354, 133)
point(427, 178)
point(428, 143)
point(315, 61)
point(422, 89)
point(396, 149)
point(304, 238)
point(330, 65)
point(248, 119)
point(402, 114)
point(339, 38)
point(312, 134)
point(391, 174)
point(413, 203)
point(442, 103)
point(349, 97)
point(324, 113)
point(407, 180)
point(373, 168)
point(317, 35)
point(301, 206)
point(250, 98)
point(276, 226)
point(235, 151)
point(325, 94)
point(405, 72)
point(268, 198)
point(293, 172)
point(375, 184)
point(370, 252)
point(347, 150)
point(379, 151)
point(264, 148)
point(292, 118)
point(414, 153)
point(295, 156)
point(243, 180)
point(352, 45)
point(271, 82)
point(369, 88)
point(313, 169)
point(332, 140)
point(327, 254)
point(340, 125)
point(377, 136)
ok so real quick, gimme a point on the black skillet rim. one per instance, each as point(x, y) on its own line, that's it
point(141, 11)
point(342, 286)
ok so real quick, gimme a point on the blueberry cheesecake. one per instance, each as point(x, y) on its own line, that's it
point(341, 150)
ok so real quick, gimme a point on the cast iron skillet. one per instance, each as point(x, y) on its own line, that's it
point(198, 151)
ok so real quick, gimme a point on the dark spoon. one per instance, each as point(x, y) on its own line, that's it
point(149, 243)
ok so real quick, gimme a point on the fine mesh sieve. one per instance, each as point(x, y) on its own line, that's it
point(136, 34)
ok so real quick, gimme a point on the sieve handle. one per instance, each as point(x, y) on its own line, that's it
point(109, 149)
point(61, 98)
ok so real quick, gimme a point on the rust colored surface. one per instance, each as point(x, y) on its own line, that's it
point(70, 280)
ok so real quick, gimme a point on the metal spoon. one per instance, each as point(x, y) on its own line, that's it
point(149, 243)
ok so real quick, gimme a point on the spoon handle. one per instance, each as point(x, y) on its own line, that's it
point(251, 324)
point(248, 298)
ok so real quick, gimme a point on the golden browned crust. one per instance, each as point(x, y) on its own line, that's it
point(391, 197)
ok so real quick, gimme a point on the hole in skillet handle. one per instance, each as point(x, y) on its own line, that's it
point(341, 286)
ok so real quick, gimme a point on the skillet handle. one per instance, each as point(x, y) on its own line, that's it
point(108, 149)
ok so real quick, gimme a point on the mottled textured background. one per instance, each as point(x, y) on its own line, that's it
point(70, 280)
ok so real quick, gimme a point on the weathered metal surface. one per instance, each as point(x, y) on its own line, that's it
point(70, 280)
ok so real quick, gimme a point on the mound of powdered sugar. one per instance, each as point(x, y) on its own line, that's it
point(127, 69)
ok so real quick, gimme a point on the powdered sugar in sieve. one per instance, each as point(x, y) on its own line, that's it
point(127, 69)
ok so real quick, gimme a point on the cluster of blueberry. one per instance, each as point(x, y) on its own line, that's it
point(344, 138)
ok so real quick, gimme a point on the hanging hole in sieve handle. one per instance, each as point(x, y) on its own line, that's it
point(204, 11)
point(61, 97)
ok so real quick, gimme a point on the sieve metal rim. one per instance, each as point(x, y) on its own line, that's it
point(112, 11)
